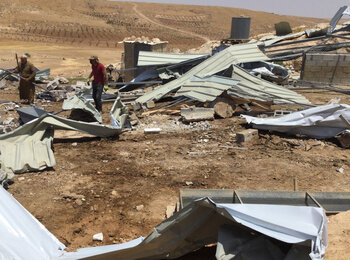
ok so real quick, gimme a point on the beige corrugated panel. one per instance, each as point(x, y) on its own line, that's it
point(218, 62)
point(149, 58)
point(206, 89)
point(252, 87)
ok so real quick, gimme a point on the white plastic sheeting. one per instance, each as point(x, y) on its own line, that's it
point(22, 236)
point(318, 122)
point(198, 224)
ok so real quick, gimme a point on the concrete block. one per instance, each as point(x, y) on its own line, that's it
point(311, 63)
point(314, 68)
point(246, 135)
point(330, 63)
point(329, 57)
point(317, 57)
point(345, 69)
point(195, 114)
point(326, 69)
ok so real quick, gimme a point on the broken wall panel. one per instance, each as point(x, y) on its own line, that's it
point(326, 68)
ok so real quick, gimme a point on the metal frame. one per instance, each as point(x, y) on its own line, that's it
point(331, 202)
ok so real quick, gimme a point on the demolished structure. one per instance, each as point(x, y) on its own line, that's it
point(239, 230)
point(241, 75)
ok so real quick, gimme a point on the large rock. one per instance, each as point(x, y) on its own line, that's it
point(223, 107)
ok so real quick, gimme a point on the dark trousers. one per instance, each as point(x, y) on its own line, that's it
point(97, 95)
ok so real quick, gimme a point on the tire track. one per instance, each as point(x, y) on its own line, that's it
point(140, 14)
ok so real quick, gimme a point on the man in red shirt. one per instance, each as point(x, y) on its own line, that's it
point(100, 80)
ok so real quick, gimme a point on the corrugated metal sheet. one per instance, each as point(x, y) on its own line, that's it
point(234, 54)
point(317, 122)
point(29, 146)
point(269, 40)
point(206, 89)
point(148, 58)
point(252, 87)
point(79, 102)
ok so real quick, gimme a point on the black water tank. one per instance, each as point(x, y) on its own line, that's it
point(240, 28)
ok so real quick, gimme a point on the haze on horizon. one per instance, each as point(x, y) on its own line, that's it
point(307, 8)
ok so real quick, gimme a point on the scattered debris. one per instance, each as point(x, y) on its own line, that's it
point(98, 237)
point(139, 207)
point(152, 130)
point(340, 170)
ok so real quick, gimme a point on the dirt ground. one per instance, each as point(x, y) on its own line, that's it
point(98, 183)
point(66, 61)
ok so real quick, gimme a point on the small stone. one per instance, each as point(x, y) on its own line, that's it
point(189, 183)
point(169, 211)
point(139, 207)
point(115, 194)
point(21, 178)
point(340, 170)
point(74, 144)
point(79, 202)
point(98, 237)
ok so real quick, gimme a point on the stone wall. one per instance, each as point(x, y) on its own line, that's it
point(326, 68)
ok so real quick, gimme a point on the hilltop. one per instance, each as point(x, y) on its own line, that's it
point(98, 23)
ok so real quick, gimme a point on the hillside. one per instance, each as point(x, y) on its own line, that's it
point(97, 23)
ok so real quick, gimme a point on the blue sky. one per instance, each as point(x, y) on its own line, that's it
point(308, 8)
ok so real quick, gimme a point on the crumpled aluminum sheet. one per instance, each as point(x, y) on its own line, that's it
point(318, 122)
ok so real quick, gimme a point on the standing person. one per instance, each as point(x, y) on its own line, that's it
point(100, 80)
point(27, 74)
